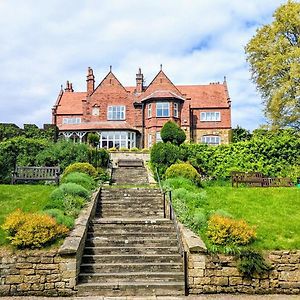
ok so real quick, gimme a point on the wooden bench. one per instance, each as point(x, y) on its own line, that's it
point(35, 173)
point(257, 179)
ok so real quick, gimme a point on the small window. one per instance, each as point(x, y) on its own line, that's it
point(210, 116)
point(176, 110)
point(95, 111)
point(158, 137)
point(162, 109)
point(149, 140)
point(211, 140)
point(149, 110)
point(71, 120)
point(116, 112)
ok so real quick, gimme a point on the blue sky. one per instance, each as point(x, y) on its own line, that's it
point(45, 43)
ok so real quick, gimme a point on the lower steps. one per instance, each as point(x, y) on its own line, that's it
point(131, 250)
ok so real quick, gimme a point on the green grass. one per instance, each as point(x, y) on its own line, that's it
point(275, 212)
point(27, 197)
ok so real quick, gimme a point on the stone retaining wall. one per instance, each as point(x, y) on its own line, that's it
point(47, 272)
point(219, 274)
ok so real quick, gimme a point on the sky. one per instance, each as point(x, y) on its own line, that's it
point(45, 43)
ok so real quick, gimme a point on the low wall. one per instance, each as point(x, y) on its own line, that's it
point(115, 156)
point(219, 274)
point(51, 272)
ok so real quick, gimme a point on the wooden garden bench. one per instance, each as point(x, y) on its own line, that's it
point(35, 173)
point(257, 179)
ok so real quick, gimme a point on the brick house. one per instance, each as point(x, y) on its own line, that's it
point(133, 116)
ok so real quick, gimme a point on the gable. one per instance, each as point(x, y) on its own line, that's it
point(161, 83)
point(110, 84)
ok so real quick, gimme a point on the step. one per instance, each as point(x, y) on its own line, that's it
point(133, 250)
point(97, 228)
point(131, 235)
point(132, 221)
point(131, 267)
point(131, 276)
point(130, 288)
point(131, 258)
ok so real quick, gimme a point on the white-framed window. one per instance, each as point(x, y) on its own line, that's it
point(71, 120)
point(162, 109)
point(211, 139)
point(210, 116)
point(149, 110)
point(117, 139)
point(116, 112)
point(176, 110)
point(95, 111)
point(149, 140)
point(158, 137)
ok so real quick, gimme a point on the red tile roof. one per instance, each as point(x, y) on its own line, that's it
point(212, 95)
point(71, 103)
point(163, 94)
point(97, 125)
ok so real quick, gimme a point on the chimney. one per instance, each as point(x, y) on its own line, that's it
point(139, 81)
point(69, 87)
point(90, 81)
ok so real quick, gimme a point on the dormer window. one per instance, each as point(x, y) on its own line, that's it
point(162, 109)
point(116, 112)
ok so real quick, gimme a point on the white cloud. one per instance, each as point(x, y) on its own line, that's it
point(45, 43)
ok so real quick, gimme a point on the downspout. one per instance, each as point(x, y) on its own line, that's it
point(143, 125)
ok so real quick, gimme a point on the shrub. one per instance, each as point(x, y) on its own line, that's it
point(93, 139)
point(123, 149)
point(73, 205)
point(199, 218)
point(183, 170)
point(164, 155)
point(63, 153)
point(172, 133)
point(252, 263)
point(112, 149)
point(32, 230)
point(56, 197)
point(60, 217)
point(98, 157)
point(134, 149)
point(81, 167)
point(103, 175)
point(74, 190)
point(80, 178)
point(226, 231)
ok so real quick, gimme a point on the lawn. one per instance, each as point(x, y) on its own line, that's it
point(274, 211)
point(27, 197)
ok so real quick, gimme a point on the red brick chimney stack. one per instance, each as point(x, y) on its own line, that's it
point(139, 81)
point(69, 87)
point(90, 81)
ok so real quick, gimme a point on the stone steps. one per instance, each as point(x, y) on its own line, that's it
point(131, 276)
point(129, 267)
point(129, 288)
point(131, 258)
point(131, 250)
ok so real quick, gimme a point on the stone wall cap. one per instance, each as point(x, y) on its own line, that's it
point(192, 241)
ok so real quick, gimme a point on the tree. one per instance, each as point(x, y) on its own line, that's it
point(274, 58)
point(240, 134)
point(171, 132)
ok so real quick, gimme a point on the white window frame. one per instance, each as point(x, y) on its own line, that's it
point(149, 110)
point(210, 116)
point(211, 139)
point(116, 112)
point(71, 120)
point(95, 111)
point(158, 137)
point(176, 106)
point(149, 140)
point(163, 107)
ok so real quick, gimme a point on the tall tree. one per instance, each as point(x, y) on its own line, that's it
point(274, 57)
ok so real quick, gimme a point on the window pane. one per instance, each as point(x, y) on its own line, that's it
point(116, 112)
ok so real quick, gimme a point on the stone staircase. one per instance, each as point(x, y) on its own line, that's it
point(131, 250)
